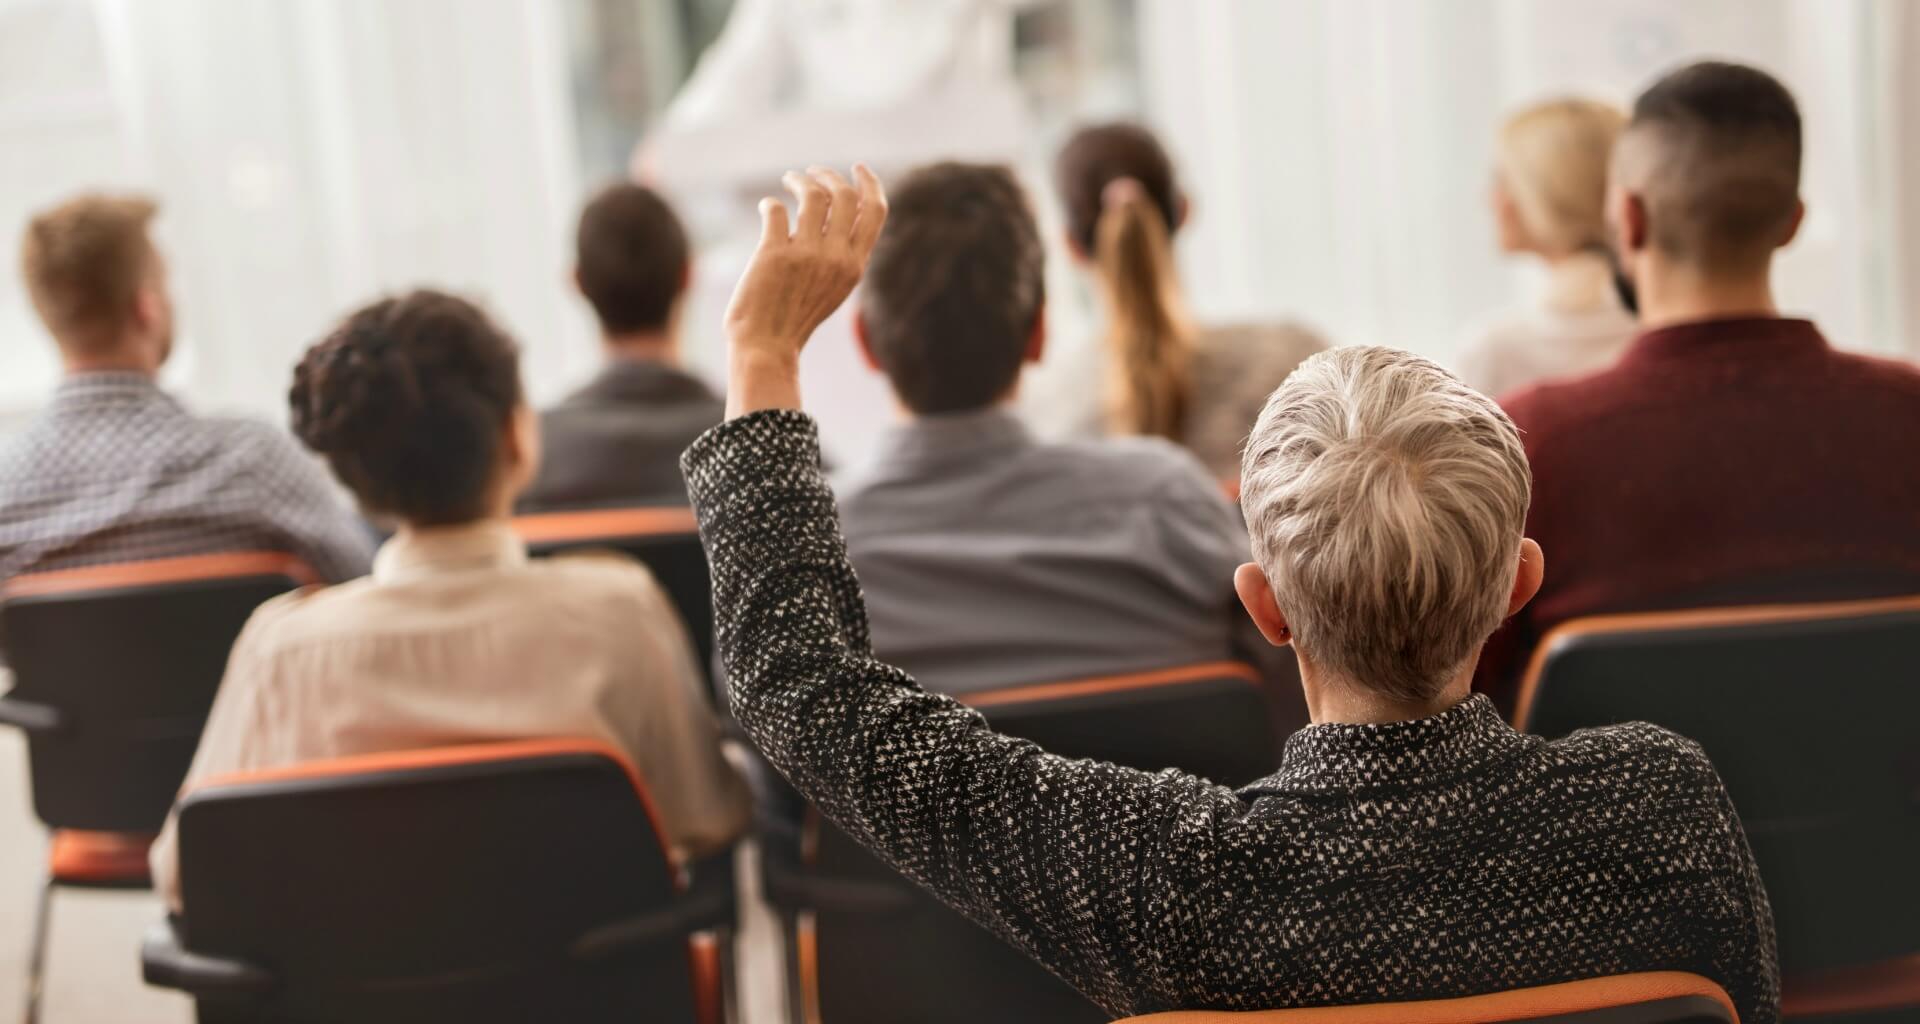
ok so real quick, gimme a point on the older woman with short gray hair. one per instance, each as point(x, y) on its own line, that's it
point(1410, 845)
point(1385, 500)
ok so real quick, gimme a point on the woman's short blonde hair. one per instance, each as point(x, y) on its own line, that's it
point(1553, 165)
point(1386, 500)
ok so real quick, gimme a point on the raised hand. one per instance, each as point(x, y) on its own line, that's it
point(798, 276)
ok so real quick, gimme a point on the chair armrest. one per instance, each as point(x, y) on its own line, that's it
point(696, 910)
point(30, 717)
point(716, 877)
point(792, 888)
point(165, 963)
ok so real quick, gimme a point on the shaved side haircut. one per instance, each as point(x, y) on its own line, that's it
point(1714, 150)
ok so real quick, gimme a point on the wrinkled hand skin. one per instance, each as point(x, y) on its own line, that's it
point(798, 276)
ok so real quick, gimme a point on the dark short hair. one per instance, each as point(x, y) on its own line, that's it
point(408, 399)
point(1097, 155)
point(1728, 145)
point(630, 253)
point(955, 287)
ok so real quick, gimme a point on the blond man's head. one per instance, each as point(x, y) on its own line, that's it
point(1386, 500)
point(94, 275)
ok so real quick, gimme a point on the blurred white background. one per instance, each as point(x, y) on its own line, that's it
point(312, 153)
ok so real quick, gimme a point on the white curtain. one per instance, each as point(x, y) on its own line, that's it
point(310, 154)
point(1340, 150)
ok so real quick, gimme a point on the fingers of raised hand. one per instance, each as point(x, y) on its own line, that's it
point(845, 208)
point(814, 200)
point(873, 210)
point(773, 222)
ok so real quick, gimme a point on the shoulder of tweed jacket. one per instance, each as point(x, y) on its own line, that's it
point(1443, 857)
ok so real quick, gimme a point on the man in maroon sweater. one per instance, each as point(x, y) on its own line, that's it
point(1732, 455)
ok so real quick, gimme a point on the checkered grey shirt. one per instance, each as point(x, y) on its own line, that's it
point(1446, 856)
point(115, 470)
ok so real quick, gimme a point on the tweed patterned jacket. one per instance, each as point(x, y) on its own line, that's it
point(1442, 857)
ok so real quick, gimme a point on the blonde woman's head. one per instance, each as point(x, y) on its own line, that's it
point(1550, 181)
point(1385, 501)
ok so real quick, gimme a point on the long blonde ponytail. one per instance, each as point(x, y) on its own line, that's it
point(1149, 339)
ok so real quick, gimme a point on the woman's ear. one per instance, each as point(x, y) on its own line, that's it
point(1257, 595)
point(1074, 249)
point(522, 451)
point(1037, 337)
point(1527, 576)
point(863, 341)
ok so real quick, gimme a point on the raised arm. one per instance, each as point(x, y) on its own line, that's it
point(1097, 871)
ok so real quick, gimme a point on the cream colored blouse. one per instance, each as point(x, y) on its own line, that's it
point(1574, 327)
point(458, 637)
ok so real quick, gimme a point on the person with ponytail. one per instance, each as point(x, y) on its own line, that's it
point(1164, 376)
point(457, 637)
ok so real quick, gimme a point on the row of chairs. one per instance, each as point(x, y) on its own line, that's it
point(585, 920)
point(1830, 795)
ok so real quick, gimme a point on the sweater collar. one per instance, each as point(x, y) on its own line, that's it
point(1735, 337)
point(1355, 759)
point(947, 439)
point(82, 390)
point(639, 380)
point(486, 544)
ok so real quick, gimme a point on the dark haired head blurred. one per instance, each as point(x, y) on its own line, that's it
point(1705, 182)
point(1097, 156)
point(631, 261)
point(950, 309)
point(1123, 206)
point(415, 401)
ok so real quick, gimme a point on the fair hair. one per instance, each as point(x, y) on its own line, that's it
point(84, 263)
point(1149, 340)
point(1553, 164)
point(1386, 500)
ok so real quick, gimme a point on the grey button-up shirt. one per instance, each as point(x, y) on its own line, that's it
point(116, 470)
point(617, 441)
point(990, 559)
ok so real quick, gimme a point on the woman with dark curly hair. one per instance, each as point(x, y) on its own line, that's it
point(457, 637)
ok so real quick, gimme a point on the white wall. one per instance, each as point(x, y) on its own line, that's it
point(309, 154)
point(58, 124)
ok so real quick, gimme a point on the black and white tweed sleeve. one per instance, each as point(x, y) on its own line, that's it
point(1100, 873)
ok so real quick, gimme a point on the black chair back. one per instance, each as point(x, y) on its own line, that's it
point(879, 948)
point(503, 882)
point(1809, 712)
point(1653, 997)
point(115, 668)
point(665, 540)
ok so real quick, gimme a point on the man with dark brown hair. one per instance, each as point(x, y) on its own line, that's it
point(115, 470)
point(618, 439)
point(1732, 456)
point(993, 559)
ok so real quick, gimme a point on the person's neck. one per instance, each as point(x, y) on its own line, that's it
point(1683, 295)
point(1335, 701)
point(643, 347)
point(124, 360)
point(411, 529)
point(1576, 281)
point(902, 413)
